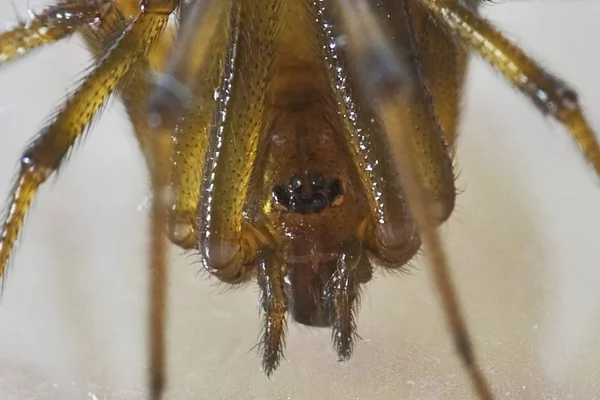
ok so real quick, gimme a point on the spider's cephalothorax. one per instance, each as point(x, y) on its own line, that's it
point(286, 139)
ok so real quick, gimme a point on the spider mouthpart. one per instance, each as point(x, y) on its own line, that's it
point(318, 291)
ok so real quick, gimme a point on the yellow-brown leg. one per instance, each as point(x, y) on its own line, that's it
point(444, 63)
point(51, 25)
point(135, 92)
point(271, 274)
point(392, 85)
point(391, 230)
point(160, 153)
point(550, 94)
point(178, 135)
point(204, 67)
point(136, 88)
point(197, 64)
point(344, 289)
point(176, 167)
point(46, 153)
point(428, 140)
point(225, 243)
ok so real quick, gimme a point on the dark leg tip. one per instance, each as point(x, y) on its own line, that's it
point(157, 387)
point(463, 347)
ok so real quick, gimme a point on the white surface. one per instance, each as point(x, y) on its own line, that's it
point(523, 243)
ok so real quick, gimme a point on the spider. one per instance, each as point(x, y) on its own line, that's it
point(301, 194)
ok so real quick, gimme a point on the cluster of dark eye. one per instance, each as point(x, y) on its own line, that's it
point(308, 194)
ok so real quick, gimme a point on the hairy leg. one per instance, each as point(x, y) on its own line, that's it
point(550, 94)
point(392, 85)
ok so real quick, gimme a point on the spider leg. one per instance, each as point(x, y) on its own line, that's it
point(344, 298)
point(45, 154)
point(444, 63)
point(173, 146)
point(156, 147)
point(188, 59)
point(48, 150)
point(390, 230)
point(271, 274)
point(226, 243)
point(551, 95)
point(392, 85)
point(51, 25)
point(184, 96)
point(157, 289)
point(433, 161)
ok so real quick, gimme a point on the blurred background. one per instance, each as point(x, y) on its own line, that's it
point(523, 243)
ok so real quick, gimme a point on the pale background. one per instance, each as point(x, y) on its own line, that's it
point(523, 241)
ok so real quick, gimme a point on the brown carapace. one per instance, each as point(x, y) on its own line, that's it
point(302, 142)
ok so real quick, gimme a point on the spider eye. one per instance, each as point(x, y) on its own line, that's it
point(281, 196)
point(319, 195)
point(319, 202)
point(317, 182)
point(335, 193)
point(296, 184)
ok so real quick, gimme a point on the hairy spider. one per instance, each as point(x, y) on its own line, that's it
point(310, 204)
